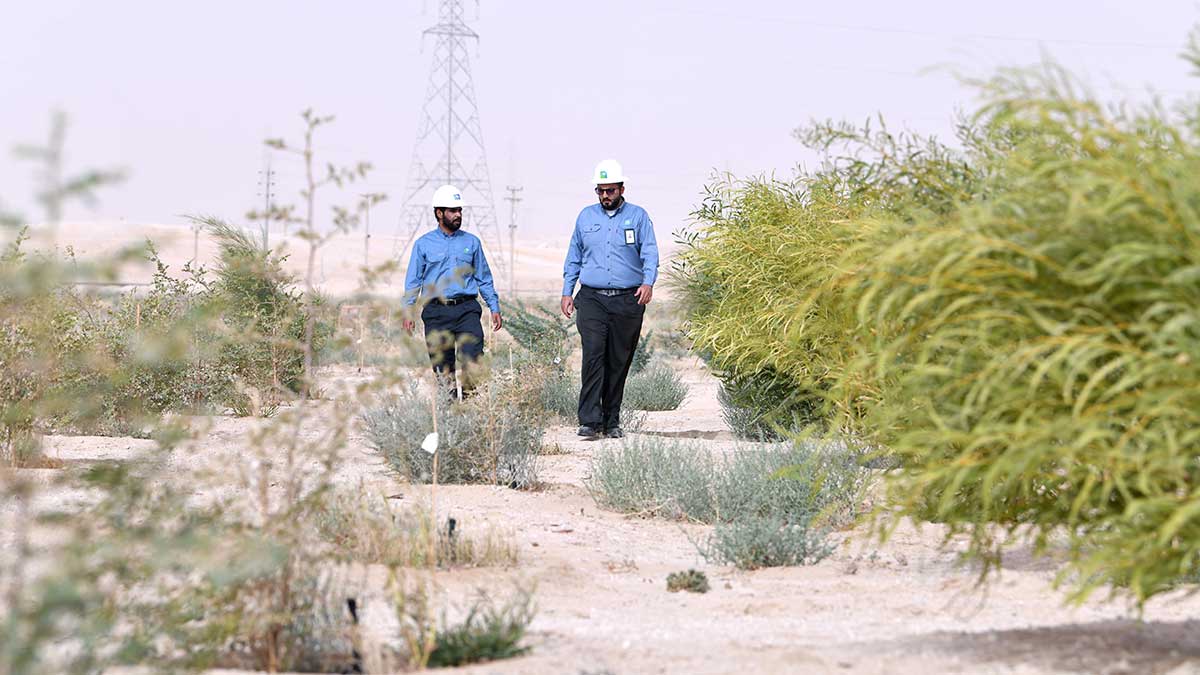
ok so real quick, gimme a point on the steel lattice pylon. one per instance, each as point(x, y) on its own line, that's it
point(449, 146)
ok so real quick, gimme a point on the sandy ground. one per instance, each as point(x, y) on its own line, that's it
point(906, 606)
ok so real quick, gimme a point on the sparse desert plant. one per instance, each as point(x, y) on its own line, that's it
point(770, 506)
point(145, 574)
point(490, 631)
point(643, 354)
point(559, 395)
point(753, 542)
point(489, 438)
point(656, 388)
point(685, 481)
point(656, 478)
point(692, 581)
point(541, 332)
point(367, 528)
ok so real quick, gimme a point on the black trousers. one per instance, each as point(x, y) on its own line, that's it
point(451, 328)
point(609, 328)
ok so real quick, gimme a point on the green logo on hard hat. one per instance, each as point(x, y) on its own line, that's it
point(604, 174)
point(457, 197)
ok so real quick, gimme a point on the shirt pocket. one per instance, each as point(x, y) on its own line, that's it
point(463, 261)
point(593, 240)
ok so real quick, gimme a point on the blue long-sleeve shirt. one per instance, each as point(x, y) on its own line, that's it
point(617, 251)
point(449, 266)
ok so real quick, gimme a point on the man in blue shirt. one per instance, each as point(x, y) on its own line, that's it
point(614, 257)
point(448, 270)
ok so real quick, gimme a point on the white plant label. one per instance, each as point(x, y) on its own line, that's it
point(430, 444)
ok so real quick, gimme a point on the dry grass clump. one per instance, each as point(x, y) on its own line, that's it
point(371, 529)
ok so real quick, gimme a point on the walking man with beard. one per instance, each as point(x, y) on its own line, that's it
point(614, 257)
point(448, 270)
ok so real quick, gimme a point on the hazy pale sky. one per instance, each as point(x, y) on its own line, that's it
point(182, 94)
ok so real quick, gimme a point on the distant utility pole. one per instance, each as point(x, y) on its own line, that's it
point(366, 230)
point(196, 227)
point(513, 200)
point(266, 185)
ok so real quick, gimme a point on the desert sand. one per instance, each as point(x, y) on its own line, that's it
point(905, 606)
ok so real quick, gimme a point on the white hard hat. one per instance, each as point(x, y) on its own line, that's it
point(609, 171)
point(448, 197)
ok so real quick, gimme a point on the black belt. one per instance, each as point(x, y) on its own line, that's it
point(611, 292)
point(453, 301)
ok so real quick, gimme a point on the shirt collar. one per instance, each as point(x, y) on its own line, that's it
point(447, 236)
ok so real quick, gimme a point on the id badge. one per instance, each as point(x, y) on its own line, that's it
point(629, 236)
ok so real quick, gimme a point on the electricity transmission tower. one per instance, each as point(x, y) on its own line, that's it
point(449, 146)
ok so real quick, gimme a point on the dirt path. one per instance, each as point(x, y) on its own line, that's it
point(903, 607)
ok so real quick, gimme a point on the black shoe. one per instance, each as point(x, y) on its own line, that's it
point(588, 432)
point(614, 432)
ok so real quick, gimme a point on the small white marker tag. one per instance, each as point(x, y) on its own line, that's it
point(430, 444)
point(629, 236)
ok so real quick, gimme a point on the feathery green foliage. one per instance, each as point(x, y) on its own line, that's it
point(1045, 372)
point(768, 276)
point(1015, 322)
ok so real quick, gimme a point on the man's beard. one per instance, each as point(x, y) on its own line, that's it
point(613, 204)
point(452, 225)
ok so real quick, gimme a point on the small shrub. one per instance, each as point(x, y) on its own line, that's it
point(770, 507)
point(746, 423)
point(655, 478)
point(656, 388)
point(490, 632)
point(559, 397)
point(542, 333)
point(691, 581)
point(487, 439)
point(764, 406)
point(680, 481)
point(753, 542)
